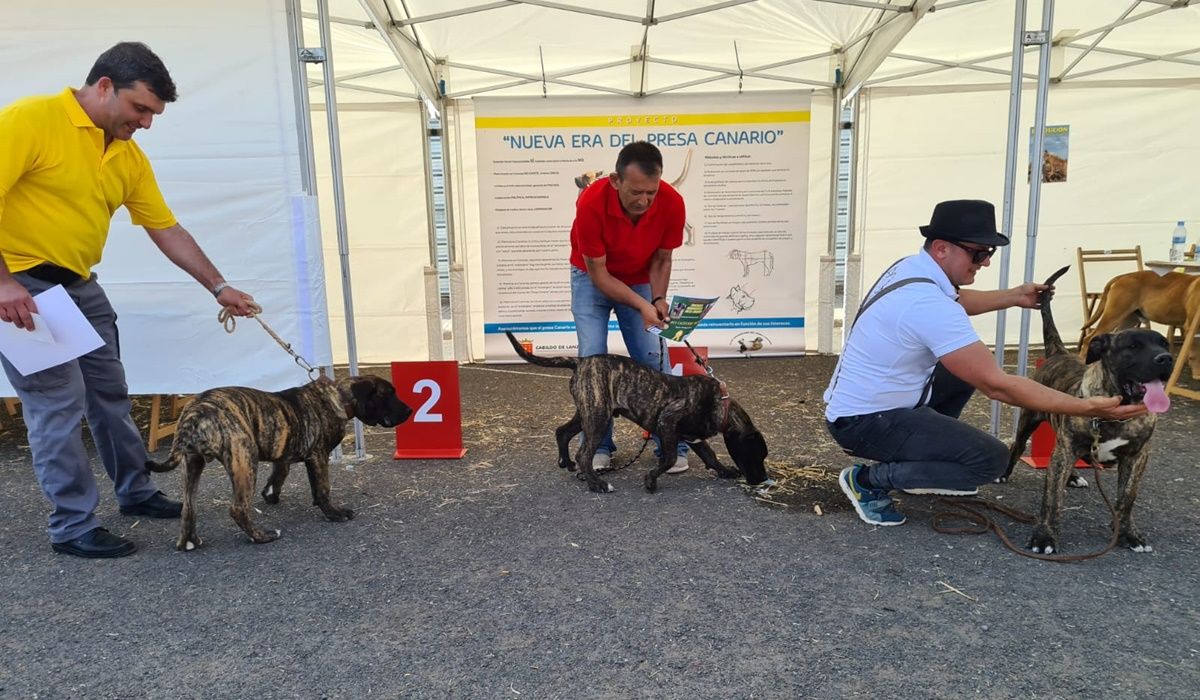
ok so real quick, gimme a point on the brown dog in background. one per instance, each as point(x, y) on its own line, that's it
point(1127, 299)
point(240, 427)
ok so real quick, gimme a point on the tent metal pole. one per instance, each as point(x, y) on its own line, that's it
point(835, 146)
point(1010, 177)
point(1035, 176)
point(460, 322)
point(433, 296)
point(826, 297)
point(339, 204)
point(308, 164)
point(852, 244)
point(308, 170)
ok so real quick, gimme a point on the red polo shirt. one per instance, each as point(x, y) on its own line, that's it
point(602, 229)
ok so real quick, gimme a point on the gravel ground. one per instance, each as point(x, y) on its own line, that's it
point(501, 576)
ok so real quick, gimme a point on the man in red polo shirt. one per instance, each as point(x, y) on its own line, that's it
point(625, 229)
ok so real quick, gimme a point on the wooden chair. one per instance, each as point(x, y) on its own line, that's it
point(158, 429)
point(1082, 257)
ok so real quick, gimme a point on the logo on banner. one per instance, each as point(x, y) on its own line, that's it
point(749, 342)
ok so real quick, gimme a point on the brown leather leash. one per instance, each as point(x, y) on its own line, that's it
point(974, 510)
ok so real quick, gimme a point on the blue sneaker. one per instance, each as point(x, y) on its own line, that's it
point(873, 505)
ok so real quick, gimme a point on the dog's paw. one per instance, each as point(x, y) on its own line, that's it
point(651, 483)
point(1134, 541)
point(600, 486)
point(187, 544)
point(762, 487)
point(1042, 542)
point(1077, 482)
point(270, 495)
point(1002, 479)
point(724, 472)
point(568, 465)
point(263, 537)
point(339, 515)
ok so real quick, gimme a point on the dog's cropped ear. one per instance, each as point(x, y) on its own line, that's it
point(1099, 347)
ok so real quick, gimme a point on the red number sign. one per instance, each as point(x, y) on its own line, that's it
point(435, 429)
point(683, 362)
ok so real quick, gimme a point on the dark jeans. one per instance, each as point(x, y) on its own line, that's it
point(926, 447)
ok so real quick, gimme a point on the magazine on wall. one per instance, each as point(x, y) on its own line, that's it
point(685, 313)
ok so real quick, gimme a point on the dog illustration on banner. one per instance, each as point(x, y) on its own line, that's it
point(741, 299)
point(757, 257)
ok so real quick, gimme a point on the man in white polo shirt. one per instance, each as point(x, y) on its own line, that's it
point(912, 361)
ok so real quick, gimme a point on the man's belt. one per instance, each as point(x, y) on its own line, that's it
point(48, 272)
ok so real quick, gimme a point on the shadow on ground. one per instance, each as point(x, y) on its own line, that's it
point(501, 576)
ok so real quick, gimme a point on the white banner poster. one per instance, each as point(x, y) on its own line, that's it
point(741, 164)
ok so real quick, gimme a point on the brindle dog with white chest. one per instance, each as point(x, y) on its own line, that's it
point(1132, 364)
point(239, 427)
point(673, 408)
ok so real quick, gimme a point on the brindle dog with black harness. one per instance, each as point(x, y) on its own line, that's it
point(239, 427)
point(1126, 364)
point(673, 408)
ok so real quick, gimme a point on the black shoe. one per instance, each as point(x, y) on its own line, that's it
point(157, 506)
point(96, 543)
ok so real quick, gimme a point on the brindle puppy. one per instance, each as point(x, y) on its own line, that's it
point(673, 408)
point(239, 427)
point(1118, 364)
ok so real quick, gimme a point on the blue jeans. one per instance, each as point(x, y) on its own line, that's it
point(925, 447)
point(591, 311)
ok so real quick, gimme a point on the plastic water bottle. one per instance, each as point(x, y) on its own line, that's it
point(1178, 242)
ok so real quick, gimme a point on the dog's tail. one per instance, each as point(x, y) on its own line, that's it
point(172, 462)
point(564, 362)
point(1050, 337)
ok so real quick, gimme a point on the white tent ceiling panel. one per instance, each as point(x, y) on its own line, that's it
point(501, 49)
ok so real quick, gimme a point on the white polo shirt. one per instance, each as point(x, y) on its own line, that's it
point(894, 346)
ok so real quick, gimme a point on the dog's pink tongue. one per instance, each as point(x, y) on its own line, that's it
point(1156, 398)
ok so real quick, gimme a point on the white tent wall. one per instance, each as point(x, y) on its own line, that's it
point(226, 156)
point(387, 222)
point(1131, 175)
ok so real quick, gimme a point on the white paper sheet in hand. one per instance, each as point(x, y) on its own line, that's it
point(61, 334)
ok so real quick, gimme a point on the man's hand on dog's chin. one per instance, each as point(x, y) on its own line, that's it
point(1110, 408)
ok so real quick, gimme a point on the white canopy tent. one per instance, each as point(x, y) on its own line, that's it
point(931, 78)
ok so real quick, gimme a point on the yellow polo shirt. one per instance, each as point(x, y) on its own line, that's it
point(59, 186)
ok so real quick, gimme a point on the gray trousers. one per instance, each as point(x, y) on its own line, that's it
point(54, 402)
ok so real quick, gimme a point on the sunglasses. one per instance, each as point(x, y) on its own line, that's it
point(978, 255)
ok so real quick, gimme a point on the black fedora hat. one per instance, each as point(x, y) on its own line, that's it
point(967, 220)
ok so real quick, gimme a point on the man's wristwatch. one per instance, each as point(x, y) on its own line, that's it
point(216, 291)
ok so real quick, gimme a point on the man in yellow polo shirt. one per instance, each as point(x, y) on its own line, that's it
point(66, 164)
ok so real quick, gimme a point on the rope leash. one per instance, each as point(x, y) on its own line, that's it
point(974, 510)
point(229, 322)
